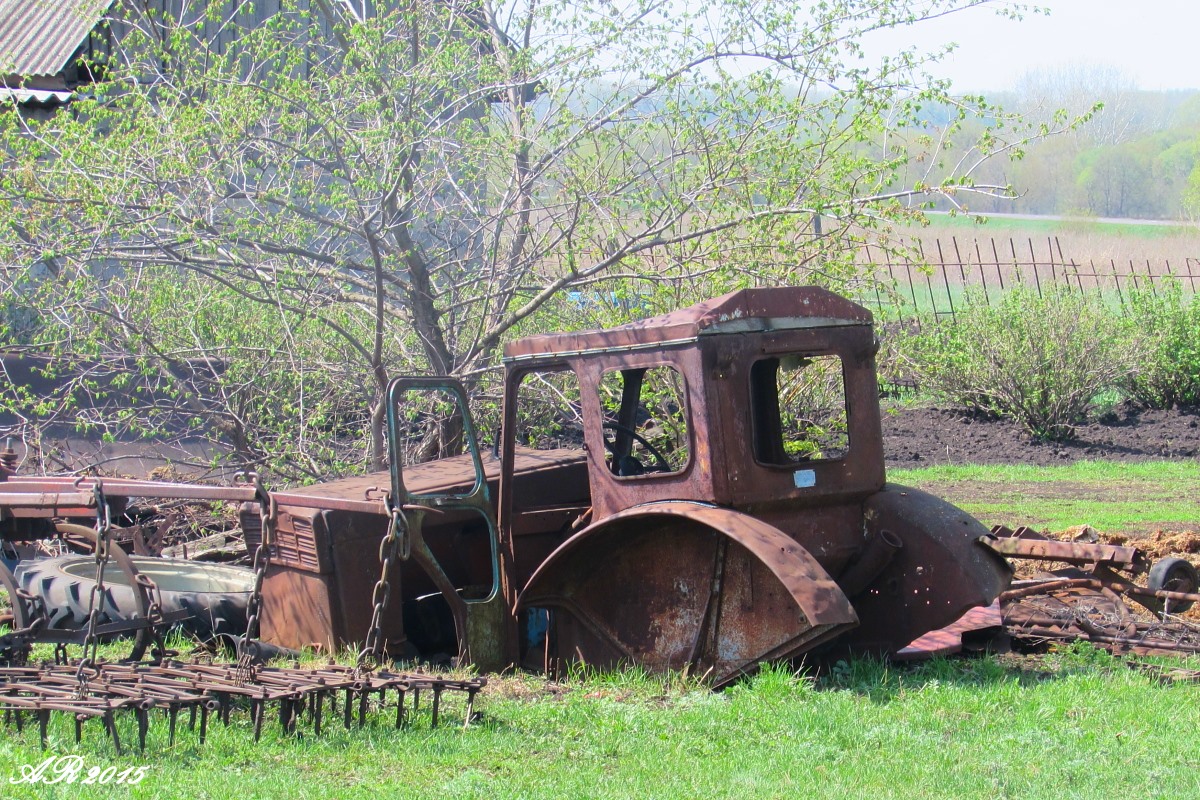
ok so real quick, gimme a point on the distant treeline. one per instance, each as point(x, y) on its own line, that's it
point(1138, 157)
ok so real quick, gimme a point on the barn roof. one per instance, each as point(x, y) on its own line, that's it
point(38, 37)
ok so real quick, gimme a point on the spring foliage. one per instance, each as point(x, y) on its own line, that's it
point(1042, 358)
point(352, 198)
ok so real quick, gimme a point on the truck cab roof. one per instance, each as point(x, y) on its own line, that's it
point(743, 311)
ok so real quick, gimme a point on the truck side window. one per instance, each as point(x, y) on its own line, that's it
point(548, 411)
point(645, 421)
point(799, 411)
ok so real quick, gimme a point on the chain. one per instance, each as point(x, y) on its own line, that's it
point(154, 617)
point(268, 512)
point(396, 543)
point(103, 543)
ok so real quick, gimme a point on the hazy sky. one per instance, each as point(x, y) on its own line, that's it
point(1153, 42)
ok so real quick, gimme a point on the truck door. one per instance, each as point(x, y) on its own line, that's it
point(443, 511)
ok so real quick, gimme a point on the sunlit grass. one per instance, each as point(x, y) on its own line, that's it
point(1110, 496)
point(1078, 724)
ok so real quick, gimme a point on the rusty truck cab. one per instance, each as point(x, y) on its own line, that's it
point(736, 372)
point(740, 511)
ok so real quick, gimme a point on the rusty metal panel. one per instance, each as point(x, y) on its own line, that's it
point(980, 623)
point(731, 412)
point(611, 494)
point(443, 476)
point(327, 579)
point(686, 586)
point(747, 310)
point(940, 571)
point(299, 610)
point(1051, 550)
point(322, 534)
point(296, 542)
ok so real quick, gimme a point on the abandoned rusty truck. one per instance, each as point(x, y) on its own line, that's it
point(701, 491)
point(706, 492)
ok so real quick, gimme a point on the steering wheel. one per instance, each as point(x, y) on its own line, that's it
point(661, 465)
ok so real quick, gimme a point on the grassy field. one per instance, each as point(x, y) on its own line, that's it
point(1132, 498)
point(1076, 723)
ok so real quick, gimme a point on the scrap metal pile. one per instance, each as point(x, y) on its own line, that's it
point(89, 688)
point(1090, 596)
point(689, 517)
point(1087, 595)
point(1090, 593)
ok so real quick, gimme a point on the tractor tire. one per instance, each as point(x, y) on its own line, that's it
point(214, 595)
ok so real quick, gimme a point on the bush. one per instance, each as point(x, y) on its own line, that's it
point(1041, 360)
point(1169, 374)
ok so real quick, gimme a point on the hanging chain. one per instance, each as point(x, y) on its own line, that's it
point(396, 544)
point(268, 512)
point(103, 543)
point(154, 616)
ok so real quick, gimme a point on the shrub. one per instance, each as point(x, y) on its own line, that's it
point(1169, 373)
point(1041, 360)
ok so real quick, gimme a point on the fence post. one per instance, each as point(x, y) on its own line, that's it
point(1117, 281)
point(946, 279)
point(982, 271)
point(1033, 259)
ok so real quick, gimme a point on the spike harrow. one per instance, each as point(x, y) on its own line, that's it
point(203, 689)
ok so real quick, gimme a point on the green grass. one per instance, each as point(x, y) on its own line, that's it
point(1077, 725)
point(1003, 226)
point(1108, 496)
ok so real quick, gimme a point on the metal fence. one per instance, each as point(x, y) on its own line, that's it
point(941, 279)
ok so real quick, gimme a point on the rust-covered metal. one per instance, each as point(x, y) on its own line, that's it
point(629, 587)
point(941, 572)
point(767, 532)
point(753, 311)
point(1087, 597)
point(105, 690)
point(667, 568)
point(687, 586)
point(1064, 608)
point(1052, 550)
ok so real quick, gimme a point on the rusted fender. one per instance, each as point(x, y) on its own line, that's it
point(681, 585)
point(941, 571)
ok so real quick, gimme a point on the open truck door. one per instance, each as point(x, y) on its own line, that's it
point(428, 416)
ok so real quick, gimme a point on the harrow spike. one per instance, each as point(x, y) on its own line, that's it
point(172, 715)
point(111, 725)
point(256, 710)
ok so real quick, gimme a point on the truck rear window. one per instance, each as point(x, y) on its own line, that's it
point(799, 409)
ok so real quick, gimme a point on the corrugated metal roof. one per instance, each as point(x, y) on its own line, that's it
point(45, 97)
point(38, 37)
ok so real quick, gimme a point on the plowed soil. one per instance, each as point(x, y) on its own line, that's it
point(920, 437)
